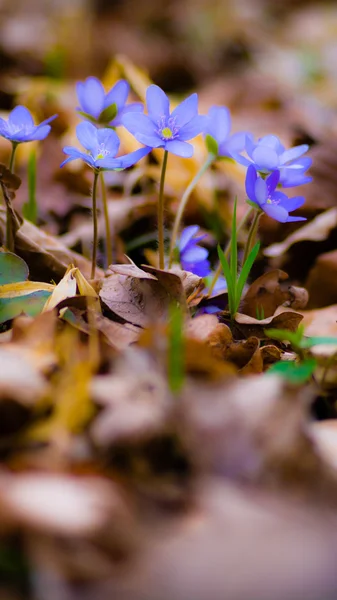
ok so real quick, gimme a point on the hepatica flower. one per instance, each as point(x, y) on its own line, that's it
point(217, 132)
point(20, 126)
point(268, 154)
point(101, 147)
point(264, 195)
point(102, 108)
point(193, 258)
point(162, 129)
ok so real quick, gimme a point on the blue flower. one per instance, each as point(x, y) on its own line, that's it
point(193, 258)
point(218, 125)
point(20, 126)
point(106, 109)
point(162, 129)
point(264, 196)
point(268, 155)
point(101, 148)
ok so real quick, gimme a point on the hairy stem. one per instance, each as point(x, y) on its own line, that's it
point(9, 221)
point(108, 240)
point(183, 203)
point(161, 212)
point(94, 217)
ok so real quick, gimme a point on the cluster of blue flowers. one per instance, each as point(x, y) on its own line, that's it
point(269, 165)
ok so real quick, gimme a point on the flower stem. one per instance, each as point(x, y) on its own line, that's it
point(227, 251)
point(108, 241)
point(94, 216)
point(9, 221)
point(183, 202)
point(161, 212)
point(252, 235)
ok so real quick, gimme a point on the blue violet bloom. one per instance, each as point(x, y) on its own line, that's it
point(101, 147)
point(162, 129)
point(193, 258)
point(102, 108)
point(268, 154)
point(217, 126)
point(20, 126)
point(264, 195)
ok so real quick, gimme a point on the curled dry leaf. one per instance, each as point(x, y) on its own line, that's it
point(283, 319)
point(47, 256)
point(142, 298)
point(266, 294)
point(316, 230)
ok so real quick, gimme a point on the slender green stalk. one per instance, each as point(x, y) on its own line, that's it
point(227, 251)
point(9, 221)
point(161, 212)
point(183, 202)
point(108, 240)
point(252, 235)
point(94, 218)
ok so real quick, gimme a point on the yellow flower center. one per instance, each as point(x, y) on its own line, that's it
point(167, 132)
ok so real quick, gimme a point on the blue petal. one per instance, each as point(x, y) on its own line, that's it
point(195, 254)
point(293, 179)
point(293, 153)
point(234, 144)
point(40, 133)
point(139, 123)
point(186, 110)
point(46, 121)
point(272, 141)
point(128, 160)
point(293, 203)
point(152, 141)
point(265, 158)
point(293, 219)
point(202, 269)
point(108, 138)
point(186, 235)
point(218, 123)
point(250, 145)
point(182, 149)
point(134, 107)
point(118, 94)
point(91, 96)
point(74, 154)
point(261, 191)
point(251, 178)
point(277, 212)
point(20, 115)
point(193, 128)
point(87, 136)
point(272, 181)
point(4, 128)
point(158, 104)
point(242, 160)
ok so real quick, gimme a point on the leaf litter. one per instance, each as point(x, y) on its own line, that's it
point(124, 472)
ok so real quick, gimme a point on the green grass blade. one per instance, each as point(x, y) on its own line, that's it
point(230, 284)
point(29, 209)
point(245, 273)
point(233, 264)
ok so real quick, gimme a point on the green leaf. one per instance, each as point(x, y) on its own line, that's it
point(284, 335)
point(308, 342)
point(245, 272)
point(234, 256)
point(13, 269)
point(30, 304)
point(29, 209)
point(212, 145)
point(176, 362)
point(87, 116)
point(294, 372)
point(109, 113)
point(230, 283)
